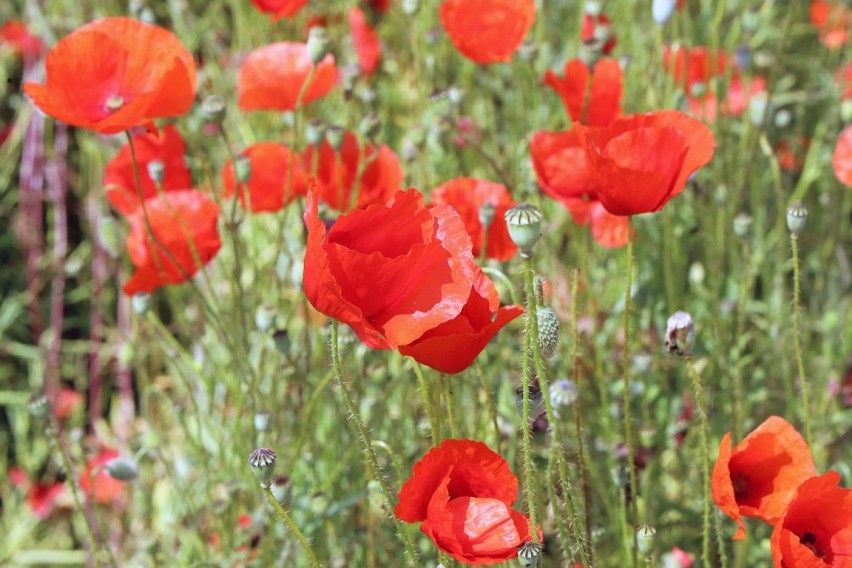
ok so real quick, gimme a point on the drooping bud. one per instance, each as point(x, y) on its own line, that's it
point(563, 395)
point(334, 135)
point(524, 224)
point(141, 303)
point(680, 333)
point(264, 317)
point(315, 131)
point(486, 214)
point(645, 539)
point(662, 10)
point(214, 108)
point(242, 169)
point(797, 218)
point(548, 331)
point(529, 553)
point(742, 226)
point(318, 44)
point(262, 462)
point(39, 406)
point(156, 171)
point(122, 469)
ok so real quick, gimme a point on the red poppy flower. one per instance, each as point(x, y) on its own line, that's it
point(106, 487)
point(278, 9)
point(115, 73)
point(380, 5)
point(841, 160)
point(42, 498)
point(15, 34)
point(759, 476)
point(272, 77)
point(466, 196)
point(693, 67)
point(366, 41)
point(816, 528)
point(832, 20)
point(592, 98)
point(277, 177)
point(791, 153)
point(452, 346)
point(336, 173)
point(461, 493)
point(390, 271)
point(641, 161)
point(66, 402)
point(166, 146)
point(186, 224)
point(598, 27)
point(487, 31)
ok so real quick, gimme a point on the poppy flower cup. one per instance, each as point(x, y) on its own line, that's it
point(462, 494)
point(277, 177)
point(116, 73)
point(639, 162)
point(759, 477)
point(487, 31)
point(592, 97)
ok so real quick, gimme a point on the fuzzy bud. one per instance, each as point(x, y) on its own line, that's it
point(156, 171)
point(214, 108)
point(645, 539)
point(524, 224)
point(262, 462)
point(141, 303)
point(122, 469)
point(529, 554)
point(39, 406)
point(548, 331)
point(486, 214)
point(797, 218)
point(242, 169)
point(742, 226)
point(334, 135)
point(680, 333)
point(318, 44)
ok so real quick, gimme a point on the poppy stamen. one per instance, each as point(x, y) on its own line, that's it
point(809, 540)
point(742, 486)
point(114, 103)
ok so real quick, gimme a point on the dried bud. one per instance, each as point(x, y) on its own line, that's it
point(141, 303)
point(262, 462)
point(122, 469)
point(156, 171)
point(334, 135)
point(214, 109)
point(662, 10)
point(742, 226)
point(563, 395)
point(524, 223)
point(264, 317)
point(242, 169)
point(645, 539)
point(318, 44)
point(529, 553)
point(680, 334)
point(315, 132)
point(39, 406)
point(486, 214)
point(548, 331)
point(797, 217)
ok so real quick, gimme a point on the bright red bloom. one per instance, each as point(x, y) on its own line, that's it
point(816, 528)
point(183, 222)
point(42, 498)
point(272, 77)
point(15, 34)
point(380, 179)
point(841, 160)
point(115, 73)
point(592, 98)
point(760, 475)
point(487, 31)
point(462, 493)
point(641, 161)
point(466, 196)
point(693, 67)
point(278, 9)
point(106, 487)
point(832, 19)
point(366, 41)
point(453, 346)
point(277, 177)
point(601, 25)
point(390, 271)
point(166, 146)
point(66, 402)
point(705, 107)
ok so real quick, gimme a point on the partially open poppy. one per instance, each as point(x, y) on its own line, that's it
point(467, 196)
point(759, 477)
point(590, 97)
point(336, 172)
point(641, 161)
point(167, 147)
point(816, 528)
point(272, 77)
point(278, 9)
point(100, 485)
point(461, 493)
point(185, 223)
point(841, 159)
point(368, 47)
point(487, 31)
point(277, 177)
point(390, 271)
point(452, 346)
point(15, 34)
point(115, 73)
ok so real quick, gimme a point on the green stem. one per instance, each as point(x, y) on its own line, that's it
point(705, 456)
point(448, 396)
point(797, 340)
point(525, 414)
point(427, 401)
point(312, 558)
point(492, 408)
point(625, 363)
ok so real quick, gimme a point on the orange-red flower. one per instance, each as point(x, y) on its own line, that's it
point(278, 9)
point(185, 223)
point(116, 73)
point(166, 146)
point(841, 159)
point(816, 528)
point(337, 171)
point(487, 31)
point(462, 494)
point(590, 97)
point(66, 403)
point(42, 498)
point(760, 475)
point(466, 196)
point(272, 77)
point(832, 19)
point(277, 177)
point(390, 271)
point(598, 25)
point(693, 67)
point(452, 346)
point(641, 161)
point(15, 34)
point(366, 41)
point(104, 486)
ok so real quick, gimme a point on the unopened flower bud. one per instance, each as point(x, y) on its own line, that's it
point(108, 235)
point(122, 469)
point(282, 341)
point(524, 224)
point(315, 132)
point(141, 303)
point(370, 126)
point(214, 108)
point(334, 135)
point(797, 217)
point(410, 7)
point(242, 169)
point(529, 553)
point(563, 395)
point(742, 225)
point(264, 317)
point(39, 406)
point(680, 333)
point(156, 171)
point(262, 462)
point(318, 44)
point(548, 331)
point(486, 214)
point(645, 539)
point(261, 421)
point(662, 10)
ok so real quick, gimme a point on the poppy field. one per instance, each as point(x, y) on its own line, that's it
point(374, 283)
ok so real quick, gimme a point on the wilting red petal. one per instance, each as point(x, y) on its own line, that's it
point(368, 47)
point(279, 8)
point(277, 177)
point(841, 160)
point(487, 31)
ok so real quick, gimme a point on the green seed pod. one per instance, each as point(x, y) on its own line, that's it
point(548, 331)
point(742, 226)
point(645, 539)
point(318, 44)
point(797, 218)
point(282, 341)
point(242, 169)
point(262, 462)
point(334, 135)
point(563, 395)
point(214, 108)
point(410, 7)
point(315, 132)
point(122, 469)
point(524, 224)
point(264, 317)
point(39, 406)
point(529, 553)
point(156, 171)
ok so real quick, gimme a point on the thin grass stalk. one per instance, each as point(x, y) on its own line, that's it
point(797, 340)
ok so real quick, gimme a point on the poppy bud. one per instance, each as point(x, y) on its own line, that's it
point(334, 136)
point(141, 303)
point(662, 10)
point(262, 462)
point(410, 7)
point(156, 171)
point(122, 469)
point(318, 44)
point(782, 118)
point(261, 421)
point(680, 334)
point(846, 111)
point(524, 224)
point(214, 108)
point(370, 126)
point(108, 236)
point(529, 553)
point(282, 341)
point(797, 217)
point(548, 331)
point(264, 317)
point(563, 395)
point(39, 406)
point(742, 226)
point(645, 539)
point(315, 132)
point(593, 9)
point(242, 169)
point(486, 214)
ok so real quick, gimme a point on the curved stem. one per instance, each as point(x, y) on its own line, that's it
point(705, 456)
point(312, 558)
point(797, 340)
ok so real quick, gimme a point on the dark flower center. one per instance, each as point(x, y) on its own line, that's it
point(742, 486)
point(810, 541)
